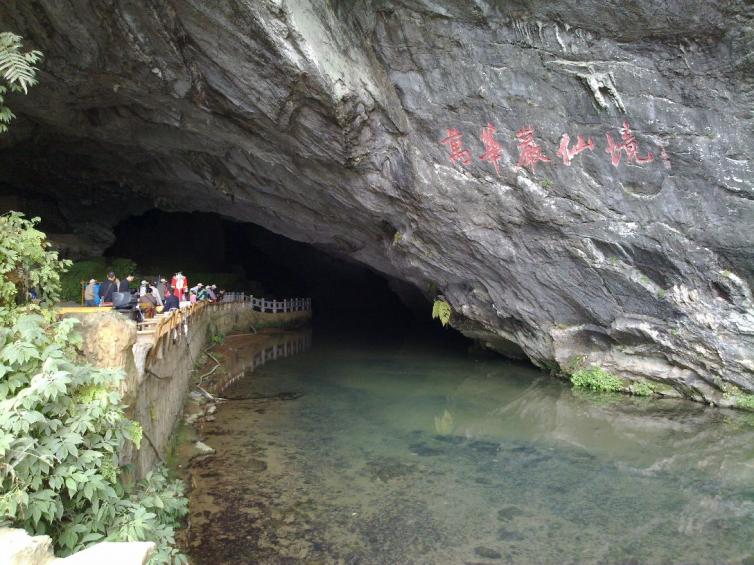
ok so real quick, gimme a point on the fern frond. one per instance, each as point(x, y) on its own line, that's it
point(17, 70)
point(441, 309)
point(16, 67)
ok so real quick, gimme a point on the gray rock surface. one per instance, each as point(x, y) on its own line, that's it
point(324, 121)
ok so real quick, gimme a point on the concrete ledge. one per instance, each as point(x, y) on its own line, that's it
point(17, 547)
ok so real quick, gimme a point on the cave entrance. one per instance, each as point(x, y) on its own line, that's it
point(237, 256)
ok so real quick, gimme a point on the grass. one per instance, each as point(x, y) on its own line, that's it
point(596, 378)
point(547, 183)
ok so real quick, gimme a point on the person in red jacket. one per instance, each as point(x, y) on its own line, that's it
point(179, 283)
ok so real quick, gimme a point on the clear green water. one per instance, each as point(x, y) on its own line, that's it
point(406, 454)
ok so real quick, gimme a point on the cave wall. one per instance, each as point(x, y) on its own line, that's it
point(359, 126)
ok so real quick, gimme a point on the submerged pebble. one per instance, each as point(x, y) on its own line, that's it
point(487, 552)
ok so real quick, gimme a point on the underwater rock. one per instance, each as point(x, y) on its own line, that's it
point(203, 448)
point(487, 553)
point(509, 513)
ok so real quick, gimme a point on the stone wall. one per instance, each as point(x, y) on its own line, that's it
point(158, 376)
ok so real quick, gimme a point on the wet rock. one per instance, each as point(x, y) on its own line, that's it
point(192, 418)
point(451, 439)
point(486, 447)
point(423, 450)
point(386, 470)
point(509, 513)
point(203, 449)
point(509, 535)
point(487, 552)
point(255, 465)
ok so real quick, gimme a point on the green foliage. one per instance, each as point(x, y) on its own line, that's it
point(218, 338)
point(17, 72)
point(642, 387)
point(596, 378)
point(547, 183)
point(95, 268)
point(661, 294)
point(26, 263)
point(63, 425)
point(742, 399)
point(441, 309)
point(397, 237)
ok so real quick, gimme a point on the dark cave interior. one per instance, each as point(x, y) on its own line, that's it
point(243, 256)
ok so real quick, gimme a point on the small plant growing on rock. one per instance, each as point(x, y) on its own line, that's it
point(642, 388)
point(547, 183)
point(397, 237)
point(596, 378)
point(441, 309)
point(742, 399)
point(661, 294)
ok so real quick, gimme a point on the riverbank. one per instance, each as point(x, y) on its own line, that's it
point(197, 439)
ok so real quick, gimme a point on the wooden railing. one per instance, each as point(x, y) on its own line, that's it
point(276, 306)
point(177, 321)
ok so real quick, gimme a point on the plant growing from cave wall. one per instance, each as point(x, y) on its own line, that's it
point(441, 310)
point(62, 422)
point(17, 72)
point(597, 379)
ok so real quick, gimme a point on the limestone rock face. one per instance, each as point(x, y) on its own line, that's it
point(359, 126)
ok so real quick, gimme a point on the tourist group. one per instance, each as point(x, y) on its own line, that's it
point(150, 297)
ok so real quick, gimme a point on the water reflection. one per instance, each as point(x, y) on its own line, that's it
point(242, 356)
point(356, 455)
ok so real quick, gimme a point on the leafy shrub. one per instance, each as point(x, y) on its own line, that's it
point(26, 263)
point(96, 268)
point(62, 424)
point(742, 400)
point(596, 378)
point(441, 309)
point(642, 387)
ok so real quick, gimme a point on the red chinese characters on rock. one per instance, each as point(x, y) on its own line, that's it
point(567, 154)
point(492, 149)
point(529, 152)
point(455, 142)
point(629, 145)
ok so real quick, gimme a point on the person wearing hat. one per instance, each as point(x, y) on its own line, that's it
point(196, 289)
point(143, 286)
point(179, 284)
point(89, 293)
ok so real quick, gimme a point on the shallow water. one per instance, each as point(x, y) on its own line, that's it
point(405, 454)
